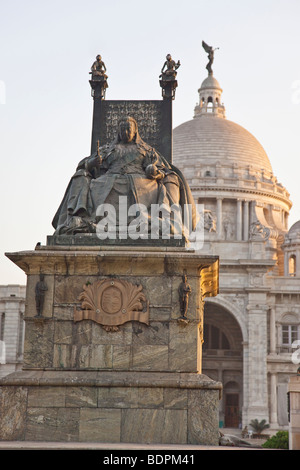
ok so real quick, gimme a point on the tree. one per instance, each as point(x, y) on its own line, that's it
point(259, 426)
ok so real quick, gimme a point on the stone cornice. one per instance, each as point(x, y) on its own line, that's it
point(103, 262)
point(109, 379)
point(238, 189)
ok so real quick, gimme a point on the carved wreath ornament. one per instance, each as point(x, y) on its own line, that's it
point(112, 303)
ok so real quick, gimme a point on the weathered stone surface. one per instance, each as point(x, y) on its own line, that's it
point(158, 289)
point(121, 337)
point(160, 313)
point(38, 344)
point(175, 398)
point(77, 397)
point(52, 424)
point(154, 426)
point(13, 402)
point(59, 342)
point(99, 425)
point(68, 288)
point(203, 417)
point(130, 397)
point(150, 357)
point(184, 347)
point(139, 383)
point(121, 357)
point(154, 333)
point(46, 397)
point(109, 406)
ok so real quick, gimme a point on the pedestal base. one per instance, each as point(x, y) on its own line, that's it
point(111, 358)
point(114, 407)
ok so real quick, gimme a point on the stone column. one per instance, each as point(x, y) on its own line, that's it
point(239, 220)
point(245, 420)
point(257, 364)
point(272, 331)
point(286, 263)
point(11, 328)
point(219, 218)
point(246, 220)
point(273, 401)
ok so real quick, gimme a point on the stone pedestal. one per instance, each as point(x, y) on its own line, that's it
point(294, 412)
point(111, 359)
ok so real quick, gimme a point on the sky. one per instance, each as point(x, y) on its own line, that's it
point(47, 49)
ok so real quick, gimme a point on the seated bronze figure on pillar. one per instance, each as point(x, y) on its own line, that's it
point(124, 188)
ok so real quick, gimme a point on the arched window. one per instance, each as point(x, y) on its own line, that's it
point(209, 104)
point(292, 265)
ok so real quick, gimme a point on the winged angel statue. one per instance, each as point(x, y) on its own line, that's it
point(210, 51)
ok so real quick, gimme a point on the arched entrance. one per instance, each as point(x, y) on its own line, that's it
point(223, 360)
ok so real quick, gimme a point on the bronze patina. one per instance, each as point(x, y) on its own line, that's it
point(126, 168)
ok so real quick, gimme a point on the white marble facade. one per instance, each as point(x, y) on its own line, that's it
point(12, 307)
point(251, 326)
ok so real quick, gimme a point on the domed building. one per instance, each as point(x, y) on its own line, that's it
point(250, 326)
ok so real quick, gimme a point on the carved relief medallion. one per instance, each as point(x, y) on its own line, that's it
point(112, 302)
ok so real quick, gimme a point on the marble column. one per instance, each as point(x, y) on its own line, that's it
point(239, 220)
point(286, 264)
point(219, 218)
point(246, 221)
point(272, 331)
point(273, 400)
point(257, 365)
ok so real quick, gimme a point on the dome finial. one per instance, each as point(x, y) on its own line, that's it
point(210, 51)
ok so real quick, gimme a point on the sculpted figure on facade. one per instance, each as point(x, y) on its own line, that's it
point(184, 291)
point(171, 66)
point(258, 231)
point(210, 222)
point(228, 229)
point(98, 68)
point(210, 51)
point(126, 168)
point(40, 291)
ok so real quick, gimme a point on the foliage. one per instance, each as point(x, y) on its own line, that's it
point(259, 426)
point(279, 441)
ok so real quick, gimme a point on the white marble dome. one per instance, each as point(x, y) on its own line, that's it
point(210, 82)
point(228, 170)
point(295, 228)
point(209, 139)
